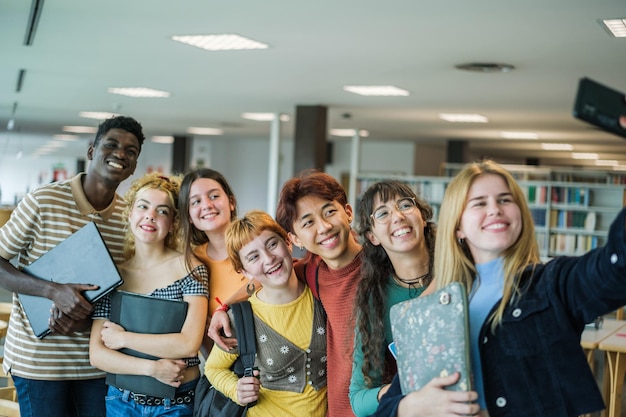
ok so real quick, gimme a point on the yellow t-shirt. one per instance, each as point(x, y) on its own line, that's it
point(293, 321)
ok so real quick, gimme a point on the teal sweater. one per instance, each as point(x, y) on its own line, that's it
point(364, 400)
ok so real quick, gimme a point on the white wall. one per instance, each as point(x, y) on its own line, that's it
point(243, 161)
point(19, 176)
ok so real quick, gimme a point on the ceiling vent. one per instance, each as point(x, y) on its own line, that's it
point(485, 67)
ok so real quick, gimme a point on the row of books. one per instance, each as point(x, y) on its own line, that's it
point(616, 179)
point(537, 194)
point(571, 244)
point(571, 195)
point(585, 220)
point(431, 191)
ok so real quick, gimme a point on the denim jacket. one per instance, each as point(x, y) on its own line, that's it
point(533, 364)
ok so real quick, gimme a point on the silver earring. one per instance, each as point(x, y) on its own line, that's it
point(250, 288)
point(461, 241)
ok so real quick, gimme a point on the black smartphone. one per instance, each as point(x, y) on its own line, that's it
point(601, 106)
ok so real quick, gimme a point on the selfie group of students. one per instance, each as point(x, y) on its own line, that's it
point(322, 323)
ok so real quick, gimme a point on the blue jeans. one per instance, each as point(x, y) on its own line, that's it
point(119, 404)
point(80, 398)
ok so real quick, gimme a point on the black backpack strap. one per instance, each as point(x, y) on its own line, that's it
point(244, 329)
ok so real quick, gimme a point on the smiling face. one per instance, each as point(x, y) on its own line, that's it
point(402, 228)
point(152, 216)
point(210, 208)
point(491, 221)
point(268, 259)
point(114, 156)
point(323, 228)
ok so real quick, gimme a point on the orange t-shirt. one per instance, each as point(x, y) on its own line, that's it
point(224, 281)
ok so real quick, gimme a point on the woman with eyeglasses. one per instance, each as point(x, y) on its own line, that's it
point(398, 237)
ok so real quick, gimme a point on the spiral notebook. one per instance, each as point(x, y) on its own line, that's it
point(82, 258)
point(431, 338)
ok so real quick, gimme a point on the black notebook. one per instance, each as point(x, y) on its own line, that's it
point(82, 258)
point(145, 314)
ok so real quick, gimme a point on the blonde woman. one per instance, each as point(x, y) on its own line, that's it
point(526, 317)
point(154, 267)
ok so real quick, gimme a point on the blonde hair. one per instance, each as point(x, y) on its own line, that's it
point(242, 231)
point(454, 262)
point(157, 181)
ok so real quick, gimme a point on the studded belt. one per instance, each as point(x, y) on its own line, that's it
point(180, 398)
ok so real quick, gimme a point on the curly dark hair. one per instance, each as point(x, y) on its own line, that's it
point(370, 301)
point(121, 122)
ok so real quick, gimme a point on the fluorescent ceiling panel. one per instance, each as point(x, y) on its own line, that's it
point(557, 147)
point(583, 155)
point(139, 92)
point(606, 163)
point(617, 27)
point(79, 129)
point(463, 118)
point(520, 135)
point(264, 117)
point(376, 90)
point(98, 115)
point(226, 42)
point(345, 133)
point(162, 139)
point(205, 131)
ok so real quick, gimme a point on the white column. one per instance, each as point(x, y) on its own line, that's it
point(355, 162)
point(274, 160)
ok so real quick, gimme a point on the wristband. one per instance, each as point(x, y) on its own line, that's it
point(222, 307)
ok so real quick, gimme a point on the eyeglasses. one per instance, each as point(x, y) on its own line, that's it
point(406, 205)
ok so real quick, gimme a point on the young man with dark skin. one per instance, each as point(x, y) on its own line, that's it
point(313, 209)
point(53, 376)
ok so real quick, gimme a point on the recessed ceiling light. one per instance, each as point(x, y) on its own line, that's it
point(582, 155)
point(80, 129)
point(619, 168)
point(606, 163)
point(485, 67)
point(162, 139)
point(98, 115)
point(139, 92)
point(616, 27)
point(519, 135)
point(264, 117)
point(205, 131)
point(557, 147)
point(345, 133)
point(226, 42)
point(376, 90)
point(463, 118)
point(68, 138)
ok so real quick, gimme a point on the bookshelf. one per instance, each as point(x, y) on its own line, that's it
point(572, 210)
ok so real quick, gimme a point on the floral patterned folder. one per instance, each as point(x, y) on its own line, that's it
point(431, 334)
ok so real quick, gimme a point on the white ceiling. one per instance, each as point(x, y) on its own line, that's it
point(82, 48)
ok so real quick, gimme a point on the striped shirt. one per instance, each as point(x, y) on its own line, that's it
point(43, 219)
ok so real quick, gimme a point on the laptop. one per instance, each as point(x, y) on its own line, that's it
point(82, 258)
